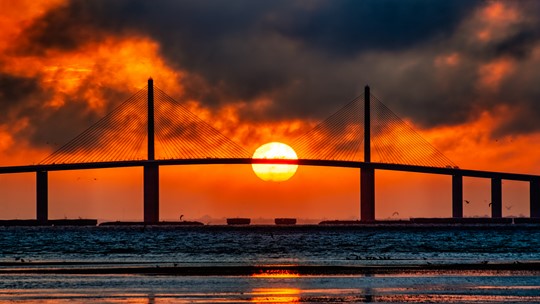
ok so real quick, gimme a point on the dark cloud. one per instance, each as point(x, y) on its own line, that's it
point(347, 27)
point(519, 46)
point(24, 99)
point(56, 127)
point(17, 94)
point(311, 57)
point(248, 49)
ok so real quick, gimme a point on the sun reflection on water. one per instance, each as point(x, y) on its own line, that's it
point(275, 295)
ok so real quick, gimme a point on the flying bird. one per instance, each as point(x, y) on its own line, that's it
point(508, 207)
point(467, 202)
point(490, 204)
point(395, 213)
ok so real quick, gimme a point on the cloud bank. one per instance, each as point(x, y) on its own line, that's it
point(438, 63)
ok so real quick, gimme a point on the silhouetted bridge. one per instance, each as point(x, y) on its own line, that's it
point(117, 140)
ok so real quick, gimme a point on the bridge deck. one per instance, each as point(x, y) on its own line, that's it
point(248, 161)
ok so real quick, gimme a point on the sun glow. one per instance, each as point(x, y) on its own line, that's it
point(271, 172)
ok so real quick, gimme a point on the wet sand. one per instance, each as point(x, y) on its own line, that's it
point(250, 270)
point(163, 283)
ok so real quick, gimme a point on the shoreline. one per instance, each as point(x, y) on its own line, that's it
point(532, 268)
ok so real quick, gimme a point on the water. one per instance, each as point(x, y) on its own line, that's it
point(271, 245)
point(346, 264)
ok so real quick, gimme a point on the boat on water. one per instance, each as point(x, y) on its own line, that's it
point(285, 221)
point(238, 221)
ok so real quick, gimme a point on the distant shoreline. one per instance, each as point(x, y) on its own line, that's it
point(416, 222)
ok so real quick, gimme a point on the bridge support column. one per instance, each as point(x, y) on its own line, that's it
point(151, 193)
point(534, 185)
point(42, 196)
point(367, 194)
point(496, 197)
point(457, 196)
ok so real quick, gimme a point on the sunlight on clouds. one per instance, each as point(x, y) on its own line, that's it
point(447, 60)
point(493, 73)
point(16, 15)
point(495, 20)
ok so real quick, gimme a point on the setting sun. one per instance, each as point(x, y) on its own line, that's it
point(271, 172)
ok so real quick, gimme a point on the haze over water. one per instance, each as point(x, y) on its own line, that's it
point(269, 264)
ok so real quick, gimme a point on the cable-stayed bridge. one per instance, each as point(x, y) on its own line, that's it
point(150, 129)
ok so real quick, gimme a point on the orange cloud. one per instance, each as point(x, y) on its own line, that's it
point(122, 63)
point(16, 15)
point(493, 73)
point(448, 60)
point(497, 11)
point(495, 19)
point(471, 146)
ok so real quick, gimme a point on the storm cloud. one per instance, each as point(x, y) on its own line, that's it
point(426, 60)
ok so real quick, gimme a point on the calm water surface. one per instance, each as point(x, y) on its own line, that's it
point(105, 247)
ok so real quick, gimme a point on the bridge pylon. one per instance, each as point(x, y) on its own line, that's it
point(367, 175)
point(151, 170)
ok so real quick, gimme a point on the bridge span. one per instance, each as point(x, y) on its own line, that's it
point(201, 138)
point(457, 175)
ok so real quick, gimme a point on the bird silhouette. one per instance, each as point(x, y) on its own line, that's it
point(467, 202)
point(395, 213)
point(508, 207)
point(490, 204)
point(181, 216)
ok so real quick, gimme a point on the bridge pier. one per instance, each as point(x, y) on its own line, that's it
point(496, 197)
point(534, 185)
point(367, 194)
point(151, 193)
point(42, 196)
point(457, 196)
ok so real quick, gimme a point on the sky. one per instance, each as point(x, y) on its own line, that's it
point(463, 74)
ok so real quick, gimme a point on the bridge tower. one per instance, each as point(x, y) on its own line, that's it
point(151, 169)
point(367, 174)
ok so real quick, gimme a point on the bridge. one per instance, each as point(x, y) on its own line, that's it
point(127, 137)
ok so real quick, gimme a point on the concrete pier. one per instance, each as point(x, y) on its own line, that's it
point(457, 196)
point(42, 196)
point(151, 194)
point(496, 197)
point(367, 195)
point(534, 185)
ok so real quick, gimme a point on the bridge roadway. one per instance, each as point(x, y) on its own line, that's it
point(367, 180)
point(249, 161)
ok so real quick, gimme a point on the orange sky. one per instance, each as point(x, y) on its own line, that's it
point(99, 73)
